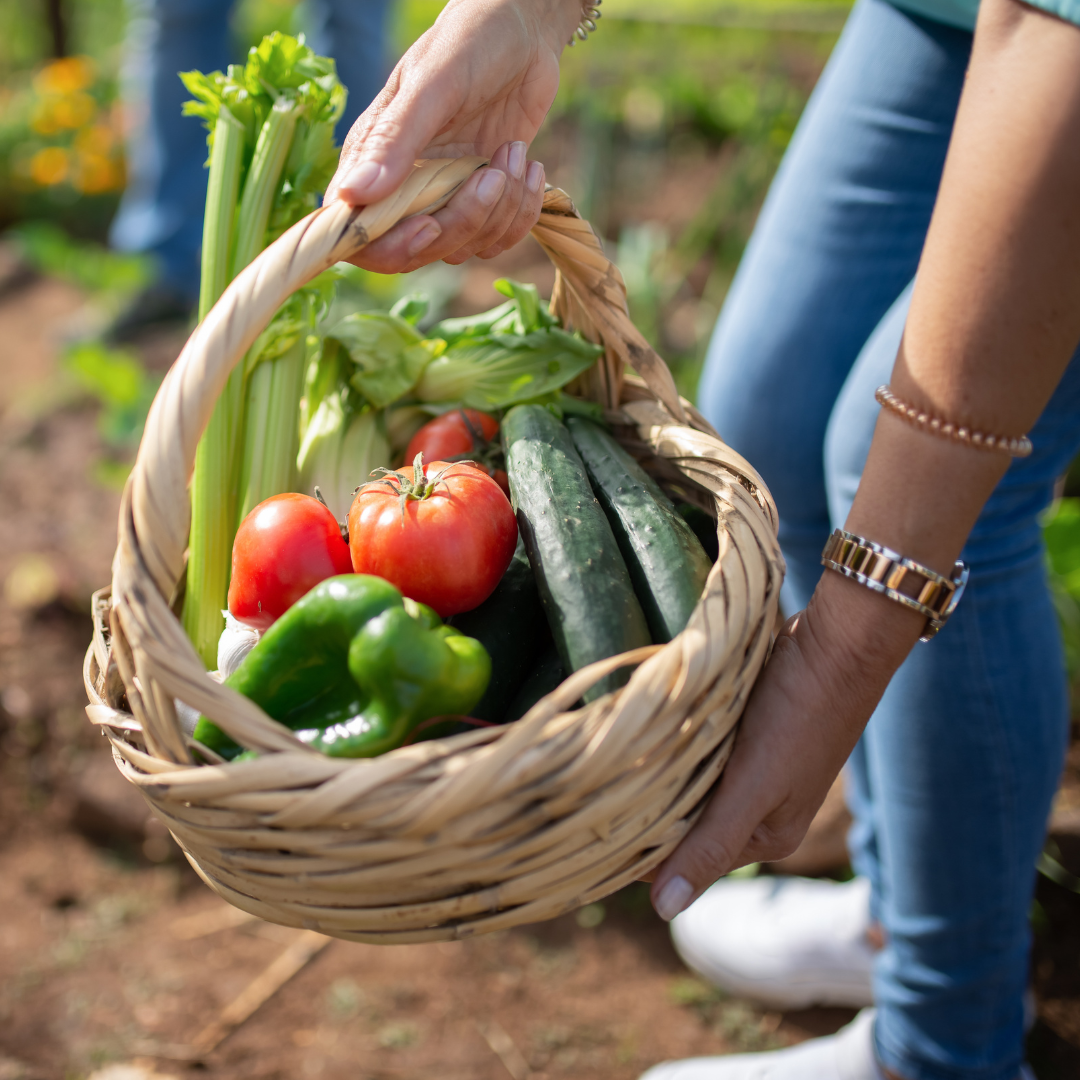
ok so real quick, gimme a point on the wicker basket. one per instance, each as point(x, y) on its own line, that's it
point(481, 831)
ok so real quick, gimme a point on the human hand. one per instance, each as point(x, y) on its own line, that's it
point(480, 81)
point(828, 669)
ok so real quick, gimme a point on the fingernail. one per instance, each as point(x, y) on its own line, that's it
point(535, 176)
point(673, 898)
point(424, 237)
point(515, 160)
point(491, 186)
point(361, 178)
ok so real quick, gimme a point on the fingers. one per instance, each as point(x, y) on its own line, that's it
point(388, 137)
point(494, 209)
point(766, 794)
point(711, 849)
point(532, 202)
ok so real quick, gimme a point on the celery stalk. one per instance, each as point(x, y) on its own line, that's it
point(253, 113)
point(261, 185)
point(223, 185)
point(215, 493)
point(213, 499)
point(271, 398)
point(272, 428)
point(210, 545)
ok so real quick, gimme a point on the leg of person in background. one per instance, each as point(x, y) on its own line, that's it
point(354, 32)
point(161, 211)
point(961, 760)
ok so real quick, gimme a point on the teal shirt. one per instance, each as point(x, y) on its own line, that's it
point(962, 13)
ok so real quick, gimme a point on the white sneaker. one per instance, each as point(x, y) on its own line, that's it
point(787, 942)
point(847, 1055)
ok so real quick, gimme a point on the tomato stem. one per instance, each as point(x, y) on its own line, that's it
point(416, 489)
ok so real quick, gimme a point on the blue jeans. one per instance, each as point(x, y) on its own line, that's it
point(951, 784)
point(162, 209)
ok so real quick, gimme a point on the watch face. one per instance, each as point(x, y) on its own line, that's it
point(960, 578)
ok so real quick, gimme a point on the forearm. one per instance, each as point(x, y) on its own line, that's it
point(994, 320)
point(995, 314)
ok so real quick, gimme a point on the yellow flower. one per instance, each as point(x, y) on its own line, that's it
point(74, 110)
point(66, 76)
point(96, 174)
point(96, 139)
point(43, 121)
point(68, 111)
point(49, 167)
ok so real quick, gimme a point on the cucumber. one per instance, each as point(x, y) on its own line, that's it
point(667, 563)
point(544, 677)
point(704, 526)
point(584, 584)
point(510, 624)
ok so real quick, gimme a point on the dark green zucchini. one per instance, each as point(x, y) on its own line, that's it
point(584, 584)
point(510, 624)
point(544, 677)
point(667, 563)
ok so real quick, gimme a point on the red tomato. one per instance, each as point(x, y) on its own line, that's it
point(449, 436)
point(283, 548)
point(449, 544)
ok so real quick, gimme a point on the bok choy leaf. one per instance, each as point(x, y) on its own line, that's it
point(496, 371)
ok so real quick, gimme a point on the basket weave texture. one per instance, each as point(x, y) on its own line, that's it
point(480, 831)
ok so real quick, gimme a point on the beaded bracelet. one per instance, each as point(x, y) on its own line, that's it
point(1017, 447)
point(590, 12)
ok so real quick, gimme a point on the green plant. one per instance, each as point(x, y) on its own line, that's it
point(92, 267)
point(120, 383)
point(1061, 532)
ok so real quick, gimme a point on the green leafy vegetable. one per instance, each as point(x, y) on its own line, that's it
point(499, 370)
point(389, 353)
point(411, 308)
point(342, 445)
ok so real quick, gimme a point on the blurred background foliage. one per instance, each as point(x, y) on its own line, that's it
point(667, 129)
point(667, 85)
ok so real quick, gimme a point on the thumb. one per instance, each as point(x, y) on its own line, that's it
point(384, 142)
point(711, 849)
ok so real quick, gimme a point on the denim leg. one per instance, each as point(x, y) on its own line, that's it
point(838, 238)
point(162, 209)
point(354, 33)
point(961, 760)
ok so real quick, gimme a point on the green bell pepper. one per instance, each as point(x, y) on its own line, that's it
point(353, 668)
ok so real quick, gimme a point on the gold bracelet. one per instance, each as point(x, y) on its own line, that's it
point(885, 571)
point(1018, 447)
point(590, 12)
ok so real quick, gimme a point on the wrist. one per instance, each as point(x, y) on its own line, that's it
point(854, 640)
point(550, 21)
point(556, 20)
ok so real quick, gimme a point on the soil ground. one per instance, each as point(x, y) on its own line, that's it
point(112, 950)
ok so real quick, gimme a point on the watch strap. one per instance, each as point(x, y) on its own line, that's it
point(885, 571)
